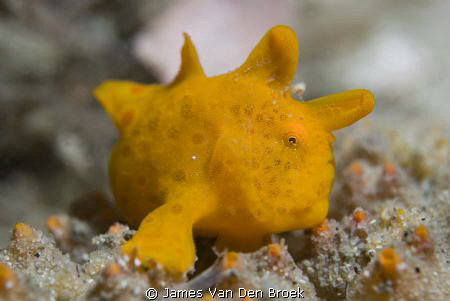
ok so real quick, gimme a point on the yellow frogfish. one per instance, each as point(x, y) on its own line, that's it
point(233, 156)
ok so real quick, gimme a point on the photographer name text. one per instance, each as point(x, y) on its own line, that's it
point(153, 294)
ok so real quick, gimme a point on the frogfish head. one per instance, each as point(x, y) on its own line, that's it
point(274, 158)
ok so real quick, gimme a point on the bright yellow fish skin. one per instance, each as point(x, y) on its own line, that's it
point(232, 156)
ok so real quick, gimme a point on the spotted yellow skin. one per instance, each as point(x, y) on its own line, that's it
point(232, 156)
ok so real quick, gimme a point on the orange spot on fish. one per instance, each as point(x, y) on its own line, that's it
point(127, 117)
point(136, 89)
point(197, 139)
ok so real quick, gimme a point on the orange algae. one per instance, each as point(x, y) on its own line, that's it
point(389, 169)
point(112, 270)
point(22, 231)
point(359, 216)
point(230, 260)
point(389, 261)
point(422, 240)
point(116, 229)
point(422, 235)
point(7, 277)
point(275, 250)
point(321, 228)
point(54, 223)
point(356, 168)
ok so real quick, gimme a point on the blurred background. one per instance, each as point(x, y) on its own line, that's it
point(55, 138)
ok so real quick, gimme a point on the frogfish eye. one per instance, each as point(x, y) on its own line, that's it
point(291, 141)
point(294, 135)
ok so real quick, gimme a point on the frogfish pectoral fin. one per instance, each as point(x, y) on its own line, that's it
point(339, 110)
point(165, 238)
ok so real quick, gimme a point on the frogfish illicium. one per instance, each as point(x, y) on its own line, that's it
point(233, 156)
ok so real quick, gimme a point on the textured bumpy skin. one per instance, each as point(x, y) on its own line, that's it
point(232, 156)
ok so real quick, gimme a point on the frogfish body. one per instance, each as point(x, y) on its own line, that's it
point(232, 156)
